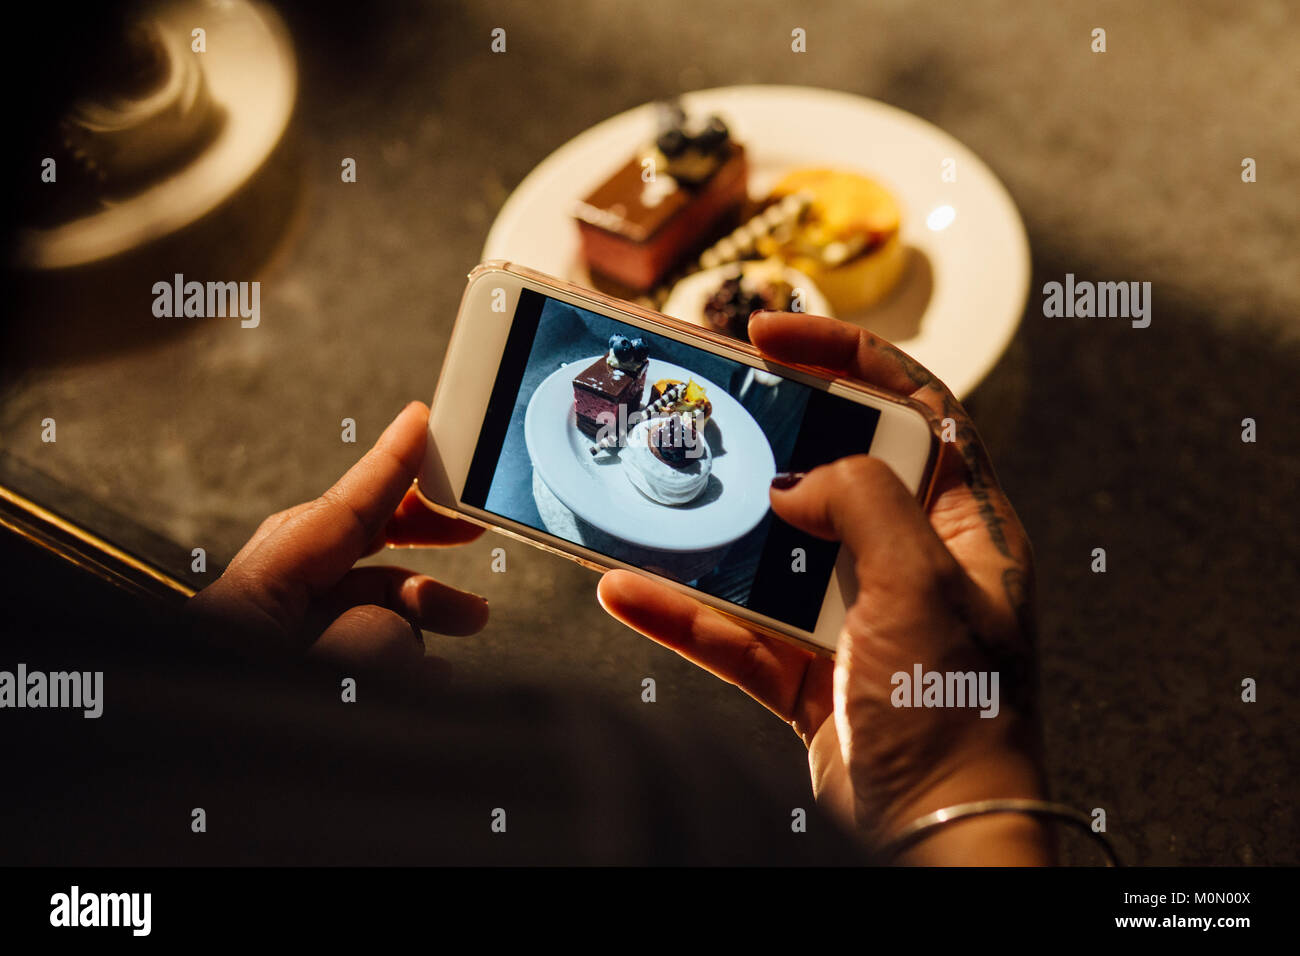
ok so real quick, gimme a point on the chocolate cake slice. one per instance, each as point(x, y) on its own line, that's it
point(615, 380)
point(634, 229)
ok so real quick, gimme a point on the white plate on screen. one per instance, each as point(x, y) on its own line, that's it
point(966, 287)
point(597, 491)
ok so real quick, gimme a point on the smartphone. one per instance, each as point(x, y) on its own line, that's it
point(621, 438)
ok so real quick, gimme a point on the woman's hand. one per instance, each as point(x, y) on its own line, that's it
point(950, 591)
point(293, 585)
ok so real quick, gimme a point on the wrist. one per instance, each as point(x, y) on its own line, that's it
point(1001, 839)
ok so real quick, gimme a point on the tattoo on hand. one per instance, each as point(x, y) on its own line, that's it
point(979, 470)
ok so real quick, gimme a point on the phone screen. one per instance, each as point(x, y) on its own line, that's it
point(660, 455)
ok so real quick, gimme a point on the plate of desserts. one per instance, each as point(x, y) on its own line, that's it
point(727, 200)
point(649, 452)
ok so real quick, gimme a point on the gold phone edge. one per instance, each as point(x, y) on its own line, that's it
point(726, 344)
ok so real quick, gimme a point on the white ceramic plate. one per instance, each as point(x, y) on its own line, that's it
point(965, 291)
point(597, 491)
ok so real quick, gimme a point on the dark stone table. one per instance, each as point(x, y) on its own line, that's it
point(1126, 166)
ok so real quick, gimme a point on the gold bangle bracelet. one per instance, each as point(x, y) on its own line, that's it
point(919, 829)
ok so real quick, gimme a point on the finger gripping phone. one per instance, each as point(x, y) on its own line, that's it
point(622, 438)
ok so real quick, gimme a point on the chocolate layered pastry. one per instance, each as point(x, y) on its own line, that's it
point(611, 388)
point(664, 203)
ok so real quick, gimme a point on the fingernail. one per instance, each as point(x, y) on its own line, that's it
point(786, 480)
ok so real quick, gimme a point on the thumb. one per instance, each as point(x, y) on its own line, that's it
point(860, 501)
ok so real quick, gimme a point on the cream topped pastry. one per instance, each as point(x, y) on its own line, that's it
point(762, 286)
point(721, 299)
point(667, 459)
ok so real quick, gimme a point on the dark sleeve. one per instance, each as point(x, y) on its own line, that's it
point(288, 773)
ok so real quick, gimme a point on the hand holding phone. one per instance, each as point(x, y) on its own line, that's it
point(622, 438)
point(951, 589)
point(293, 585)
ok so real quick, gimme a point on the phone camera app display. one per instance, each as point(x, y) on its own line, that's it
point(660, 455)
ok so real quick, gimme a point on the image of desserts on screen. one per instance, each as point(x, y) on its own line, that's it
point(644, 449)
point(658, 437)
point(675, 227)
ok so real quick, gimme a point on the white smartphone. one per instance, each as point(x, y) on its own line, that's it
point(622, 438)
